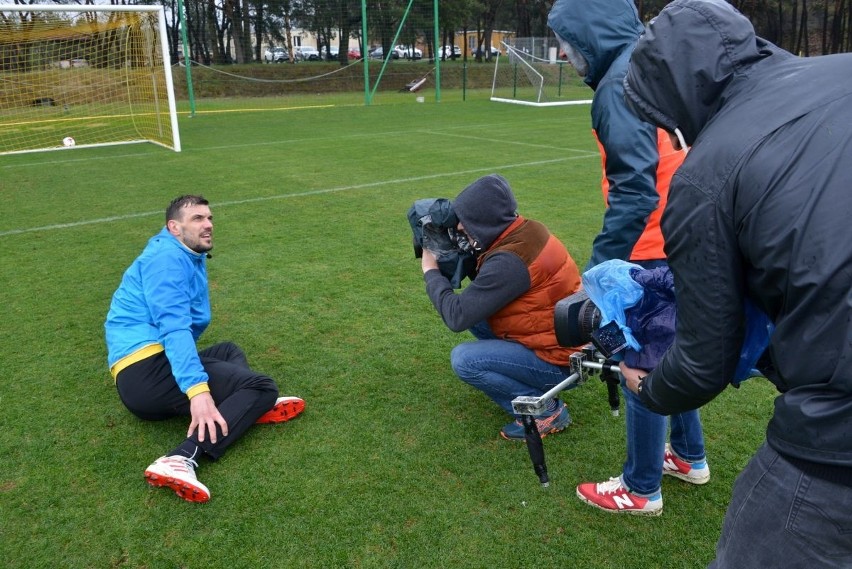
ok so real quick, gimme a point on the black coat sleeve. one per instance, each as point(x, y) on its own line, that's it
point(704, 257)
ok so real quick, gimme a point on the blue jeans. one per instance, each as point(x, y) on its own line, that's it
point(646, 436)
point(646, 443)
point(503, 369)
point(781, 517)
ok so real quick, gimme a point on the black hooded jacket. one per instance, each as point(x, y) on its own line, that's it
point(760, 208)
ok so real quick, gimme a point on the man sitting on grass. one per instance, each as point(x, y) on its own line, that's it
point(158, 312)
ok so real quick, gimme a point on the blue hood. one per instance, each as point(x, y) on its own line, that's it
point(599, 29)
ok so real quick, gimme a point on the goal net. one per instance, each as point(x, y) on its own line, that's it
point(84, 76)
point(532, 74)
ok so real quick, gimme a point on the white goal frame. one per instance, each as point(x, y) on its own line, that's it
point(535, 80)
point(164, 121)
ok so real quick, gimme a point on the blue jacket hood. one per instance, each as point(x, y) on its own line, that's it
point(599, 29)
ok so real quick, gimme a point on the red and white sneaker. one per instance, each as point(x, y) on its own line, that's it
point(692, 472)
point(178, 473)
point(285, 408)
point(612, 496)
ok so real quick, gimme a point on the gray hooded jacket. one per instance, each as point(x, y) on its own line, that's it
point(486, 208)
point(760, 208)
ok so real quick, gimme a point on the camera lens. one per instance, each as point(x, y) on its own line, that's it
point(575, 318)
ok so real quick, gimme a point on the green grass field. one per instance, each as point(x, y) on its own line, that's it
point(395, 462)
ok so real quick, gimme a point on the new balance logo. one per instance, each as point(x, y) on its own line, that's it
point(623, 501)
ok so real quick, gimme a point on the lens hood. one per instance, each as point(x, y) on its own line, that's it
point(575, 318)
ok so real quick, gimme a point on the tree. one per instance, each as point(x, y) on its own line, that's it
point(490, 10)
point(236, 11)
point(217, 28)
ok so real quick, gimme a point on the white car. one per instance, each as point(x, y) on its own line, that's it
point(307, 53)
point(275, 55)
point(494, 52)
point(449, 51)
point(406, 52)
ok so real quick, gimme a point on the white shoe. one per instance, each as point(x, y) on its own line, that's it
point(178, 473)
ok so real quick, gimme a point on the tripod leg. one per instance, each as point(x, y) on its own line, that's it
point(612, 385)
point(536, 449)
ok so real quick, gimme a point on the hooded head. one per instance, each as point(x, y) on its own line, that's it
point(597, 30)
point(485, 209)
point(690, 53)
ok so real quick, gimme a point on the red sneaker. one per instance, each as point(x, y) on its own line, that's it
point(285, 408)
point(692, 472)
point(612, 496)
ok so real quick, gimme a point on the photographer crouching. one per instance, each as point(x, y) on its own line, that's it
point(521, 270)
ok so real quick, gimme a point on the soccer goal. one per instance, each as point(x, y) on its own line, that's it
point(531, 74)
point(83, 76)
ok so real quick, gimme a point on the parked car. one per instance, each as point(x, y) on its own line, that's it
point(307, 53)
point(407, 52)
point(449, 52)
point(333, 52)
point(276, 55)
point(354, 54)
point(493, 53)
point(379, 53)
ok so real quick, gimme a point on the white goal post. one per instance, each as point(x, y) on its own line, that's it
point(523, 78)
point(82, 76)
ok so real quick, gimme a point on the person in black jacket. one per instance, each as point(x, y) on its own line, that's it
point(760, 210)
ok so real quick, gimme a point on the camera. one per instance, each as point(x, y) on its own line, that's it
point(433, 224)
point(578, 321)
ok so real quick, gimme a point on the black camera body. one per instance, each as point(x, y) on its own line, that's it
point(578, 321)
point(433, 224)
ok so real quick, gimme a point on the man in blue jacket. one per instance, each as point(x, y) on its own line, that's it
point(759, 211)
point(598, 37)
point(157, 314)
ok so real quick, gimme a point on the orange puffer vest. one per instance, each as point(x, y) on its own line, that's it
point(553, 275)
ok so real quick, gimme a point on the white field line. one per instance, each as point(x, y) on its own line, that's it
point(63, 158)
point(397, 181)
point(444, 134)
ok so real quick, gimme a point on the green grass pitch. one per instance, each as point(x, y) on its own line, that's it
point(395, 462)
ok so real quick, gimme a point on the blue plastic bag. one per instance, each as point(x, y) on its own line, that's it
point(642, 303)
point(613, 291)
